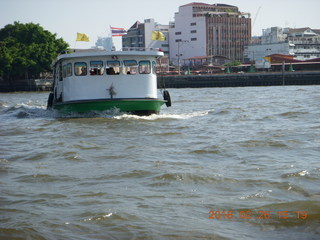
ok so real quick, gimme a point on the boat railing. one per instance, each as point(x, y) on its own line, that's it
point(125, 49)
point(143, 49)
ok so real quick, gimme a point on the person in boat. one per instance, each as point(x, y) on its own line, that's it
point(83, 71)
point(111, 71)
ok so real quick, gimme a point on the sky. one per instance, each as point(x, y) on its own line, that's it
point(94, 17)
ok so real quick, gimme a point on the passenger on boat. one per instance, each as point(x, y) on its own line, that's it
point(110, 71)
point(83, 71)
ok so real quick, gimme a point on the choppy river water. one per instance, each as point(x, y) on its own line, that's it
point(221, 163)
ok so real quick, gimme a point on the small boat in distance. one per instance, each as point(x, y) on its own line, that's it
point(99, 80)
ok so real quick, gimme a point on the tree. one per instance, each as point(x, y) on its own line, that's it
point(233, 64)
point(26, 50)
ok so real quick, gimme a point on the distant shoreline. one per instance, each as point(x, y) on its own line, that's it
point(197, 81)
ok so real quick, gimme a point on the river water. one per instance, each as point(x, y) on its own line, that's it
point(221, 163)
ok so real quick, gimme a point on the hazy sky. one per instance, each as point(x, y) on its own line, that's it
point(93, 17)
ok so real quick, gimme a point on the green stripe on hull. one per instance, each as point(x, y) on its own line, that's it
point(136, 106)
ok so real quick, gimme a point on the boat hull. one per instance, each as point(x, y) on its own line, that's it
point(134, 106)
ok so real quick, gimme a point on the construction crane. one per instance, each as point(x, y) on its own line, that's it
point(255, 17)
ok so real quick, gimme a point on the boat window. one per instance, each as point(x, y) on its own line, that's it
point(96, 68)
point(130, 67)
point(64, 71)
point(67, 70)
point(154, 67)
point(59, 72)
point(113, 67)
point(80, 68)
point(144, 67)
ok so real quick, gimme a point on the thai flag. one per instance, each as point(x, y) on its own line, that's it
point(116, 32)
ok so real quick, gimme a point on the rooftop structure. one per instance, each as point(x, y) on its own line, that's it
point(105, 42)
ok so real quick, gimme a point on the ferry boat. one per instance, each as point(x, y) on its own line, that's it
point(99, 80)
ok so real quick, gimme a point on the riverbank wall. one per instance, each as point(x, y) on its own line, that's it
point(240, 80)
point(28, 85)
point(197, 81)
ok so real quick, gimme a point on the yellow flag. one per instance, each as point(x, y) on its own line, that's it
point(82, 37)
point(157, 36)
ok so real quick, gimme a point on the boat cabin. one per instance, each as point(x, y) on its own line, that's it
point(93, 75)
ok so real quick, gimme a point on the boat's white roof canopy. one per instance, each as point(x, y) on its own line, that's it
point(80, 53)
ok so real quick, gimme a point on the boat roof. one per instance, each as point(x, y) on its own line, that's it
point(78, 53)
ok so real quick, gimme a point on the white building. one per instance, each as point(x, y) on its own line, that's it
point(187, 35)
point(149, 26)
point(273, 35)
point(208, 31)
point(302, 43)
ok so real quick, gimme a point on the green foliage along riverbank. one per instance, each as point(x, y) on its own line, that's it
point(26, 50)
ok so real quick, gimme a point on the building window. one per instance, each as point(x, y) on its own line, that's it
point(193, 24)
point(80, 68)
point(193, 39)
point(178, 40)
point(178, 33)
point(193, 31)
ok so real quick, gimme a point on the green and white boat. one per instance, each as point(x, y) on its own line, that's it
point(98, 80)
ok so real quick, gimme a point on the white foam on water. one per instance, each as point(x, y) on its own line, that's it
point(153, 117)
point(31, 109)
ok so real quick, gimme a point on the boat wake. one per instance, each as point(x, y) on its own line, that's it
point(21, 111)
point(165, 116)
point(24, 111)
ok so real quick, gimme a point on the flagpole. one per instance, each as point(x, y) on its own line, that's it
point(75, 42)
point(111, 37)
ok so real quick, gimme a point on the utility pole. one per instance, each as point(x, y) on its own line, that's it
point(180, 43)
point(283, 69)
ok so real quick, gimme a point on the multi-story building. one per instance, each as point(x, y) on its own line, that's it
point(300, 43)
point(139, 36)
point(304, 42)
point(272, 41)
point(209, 30)
point(134, 37)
